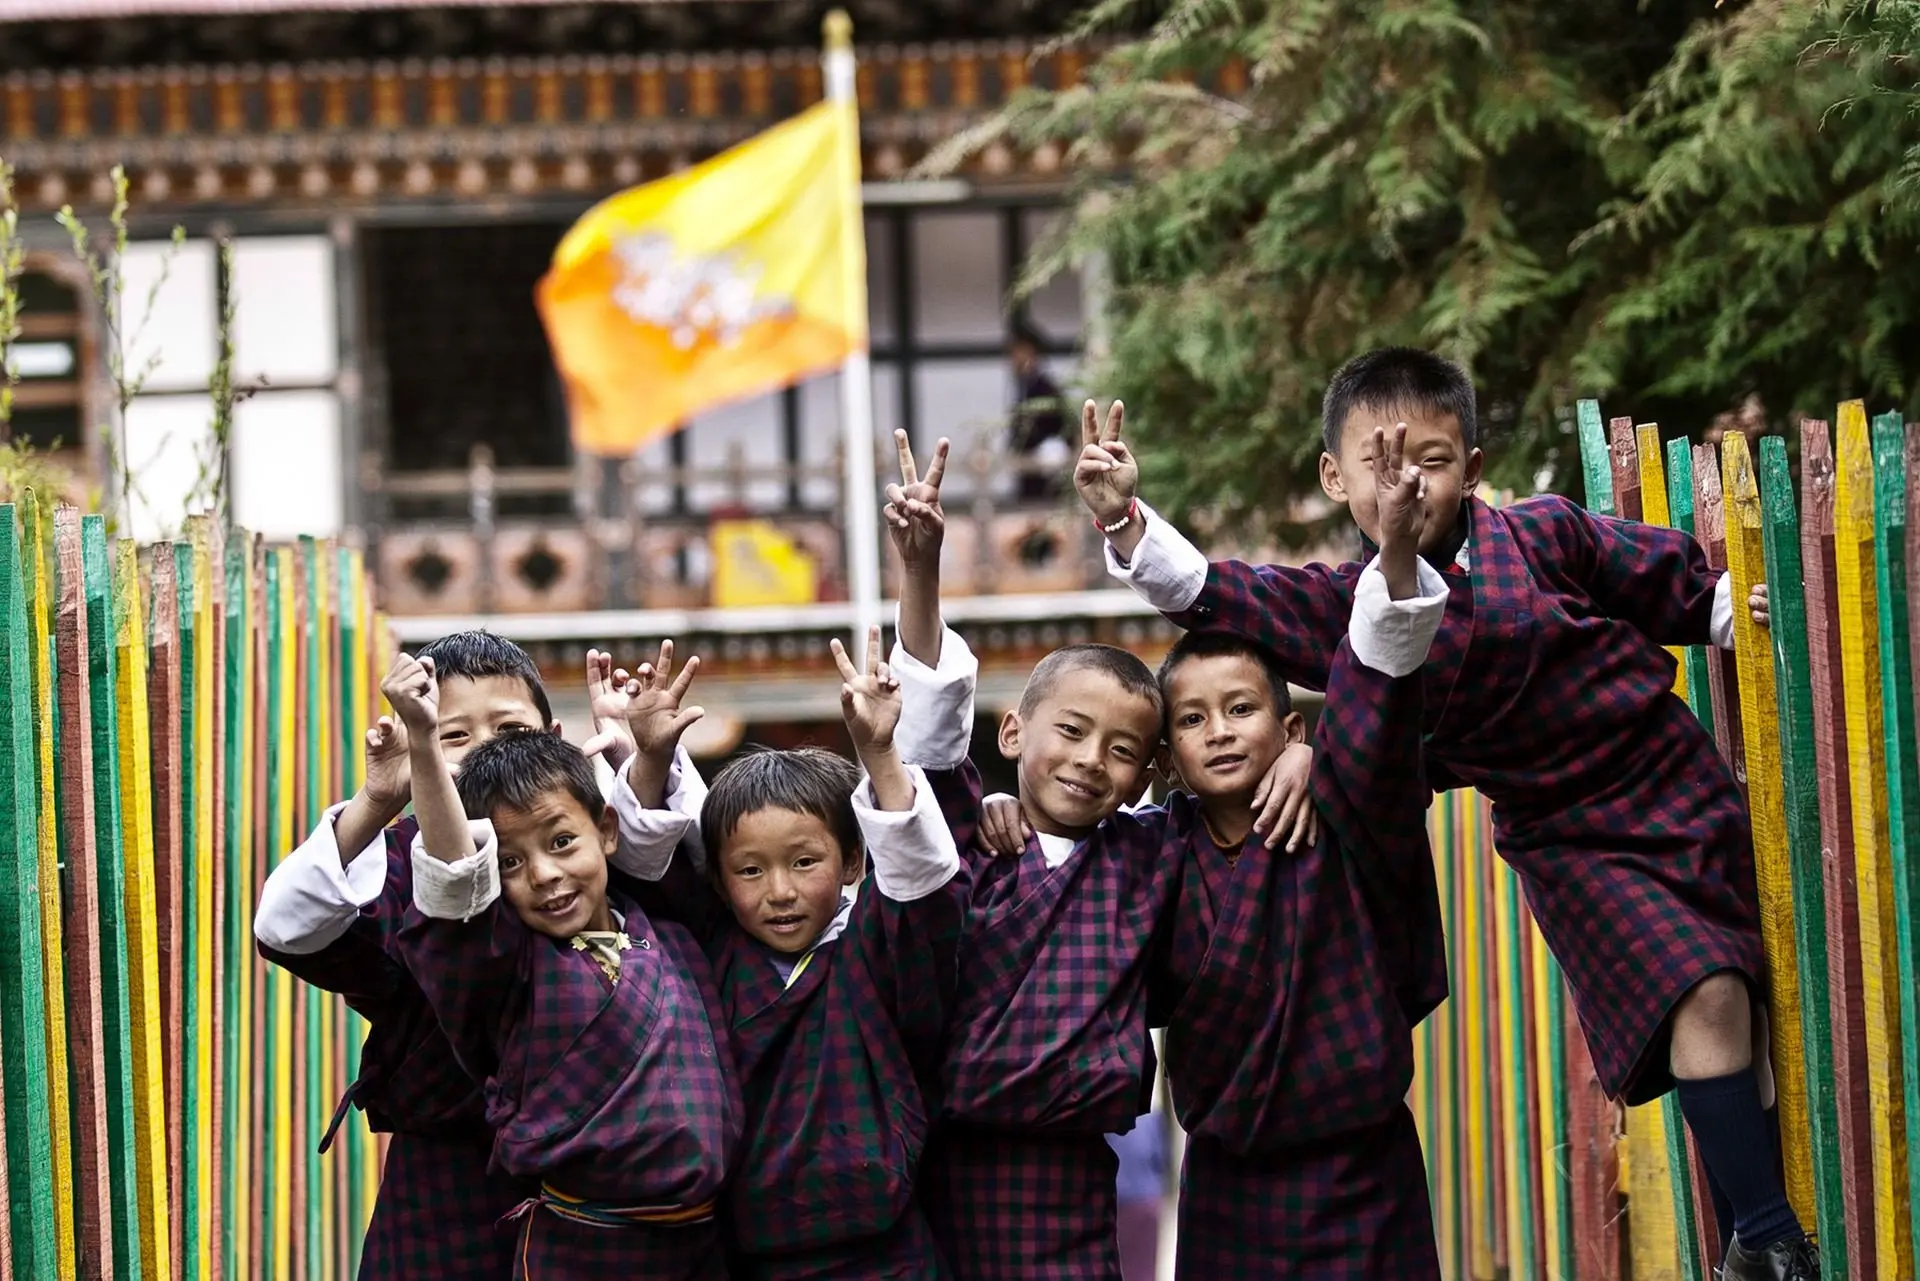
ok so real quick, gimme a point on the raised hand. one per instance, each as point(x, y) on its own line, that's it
point(1400, 488)
point(1283, 803)
point(389, 782)
point(415, 696)
point(913, 513)
point(1106, 475)
point(607, 700)
point(655, 718)
point(1759, 606)
point(869, 700)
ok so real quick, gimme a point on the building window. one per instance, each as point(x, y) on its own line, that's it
point(53, 363)
point(283, 458)
point(460, 360)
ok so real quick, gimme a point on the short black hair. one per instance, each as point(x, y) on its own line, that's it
point(515, 769)
point(1395, 380)
point(806, 780)
point(1216, 644)
point(1128, 671)
point(478, 655)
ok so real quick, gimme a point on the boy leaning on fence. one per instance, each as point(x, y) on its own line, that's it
point(330, 914)
point(1548, 691)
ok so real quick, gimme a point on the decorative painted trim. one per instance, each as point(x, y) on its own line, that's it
point(415, 130)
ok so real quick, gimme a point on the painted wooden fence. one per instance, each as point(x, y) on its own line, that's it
point(171, 721)
point(1534, 1174)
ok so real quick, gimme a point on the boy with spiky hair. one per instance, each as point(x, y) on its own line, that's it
point(1549, 692)
point(329, 913)
point(836, 986)
point(591, 1026)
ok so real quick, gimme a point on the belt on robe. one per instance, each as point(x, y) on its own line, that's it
point(607, 1214)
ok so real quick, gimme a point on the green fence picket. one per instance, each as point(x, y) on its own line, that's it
point(23, 1011)
point(1800, 784)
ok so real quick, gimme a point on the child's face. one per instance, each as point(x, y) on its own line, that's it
point(553, 864)
point(782, 872)
point(475, 710)
point(1223, 731)
point(1434, 444)
point(1083, 751)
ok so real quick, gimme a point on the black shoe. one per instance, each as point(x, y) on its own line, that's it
point(1797, 1260)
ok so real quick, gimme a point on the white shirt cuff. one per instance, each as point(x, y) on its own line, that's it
point(1393, 636)
point(1722, 625)
point(1166, 571)
point(912, 850)
point(464, 888)
point(936, 704)
point(311, 899)
point(648, 838)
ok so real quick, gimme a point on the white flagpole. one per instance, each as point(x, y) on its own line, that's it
point(862, 524)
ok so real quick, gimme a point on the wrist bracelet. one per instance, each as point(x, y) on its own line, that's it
point(1133, 509)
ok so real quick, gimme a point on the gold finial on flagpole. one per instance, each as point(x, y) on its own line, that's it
point(838, 29)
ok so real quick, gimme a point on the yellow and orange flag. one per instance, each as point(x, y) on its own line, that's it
point(716, 284)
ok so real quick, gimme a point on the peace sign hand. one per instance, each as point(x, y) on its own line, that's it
point(1106, 475)
point(1400, 490)
point(654, 715)
point(869, 701)
point(913, 513)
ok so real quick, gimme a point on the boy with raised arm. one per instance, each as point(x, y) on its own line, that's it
point(1548, 691)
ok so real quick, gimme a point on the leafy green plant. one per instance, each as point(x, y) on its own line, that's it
point(108, 286)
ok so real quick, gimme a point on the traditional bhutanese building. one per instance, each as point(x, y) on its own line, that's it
point(393, 178)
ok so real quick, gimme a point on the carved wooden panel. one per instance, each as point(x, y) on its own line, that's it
point(543, 569)
point(424, 570)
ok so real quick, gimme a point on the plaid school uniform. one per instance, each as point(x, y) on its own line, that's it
point(1049, 1049)
point(613, 1093)
point(1547, 691)
point(832, 1067)
point(440, 1211)
point(1292, 983)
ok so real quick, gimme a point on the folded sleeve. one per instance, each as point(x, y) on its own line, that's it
point(1722, 624)
point(650, 837)
point(462, 889)
point(314, 895)
point(1166, 571)
point(913, 850)
point(936, 712)
point(1393, 636)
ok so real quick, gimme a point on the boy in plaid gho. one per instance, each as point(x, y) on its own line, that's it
point(1547, 690)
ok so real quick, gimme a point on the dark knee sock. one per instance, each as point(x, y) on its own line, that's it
point(1731, 1132)
point(1773, 1137)
point(1722, 1211)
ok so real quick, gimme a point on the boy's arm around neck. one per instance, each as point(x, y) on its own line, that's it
point(1296, 613)
point(1368, 776)
point(1656, 578)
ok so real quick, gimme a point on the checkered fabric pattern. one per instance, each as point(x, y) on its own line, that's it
point(437, 1212)
point(1348, 1209)
point(616, 1092)
point(831, 1070)
point(1027, 1205)
point(1547, 690)
point(1289, 1019)
point(549, 1248)
point(1050, 1025)
point(440, 1213)
point(1049, 1046)
point(904, 1252)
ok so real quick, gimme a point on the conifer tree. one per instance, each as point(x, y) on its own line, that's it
point(1609, 198)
